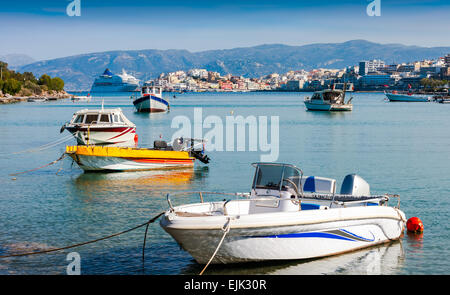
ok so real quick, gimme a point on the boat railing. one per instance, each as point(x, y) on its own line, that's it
point(338, 199)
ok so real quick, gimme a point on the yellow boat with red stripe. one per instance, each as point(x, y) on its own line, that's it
point(101, 158)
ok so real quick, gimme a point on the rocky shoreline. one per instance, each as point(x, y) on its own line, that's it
point(45, 96)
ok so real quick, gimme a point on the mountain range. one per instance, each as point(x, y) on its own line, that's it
point(79, 71)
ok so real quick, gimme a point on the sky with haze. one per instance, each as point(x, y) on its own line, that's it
point(43, 30)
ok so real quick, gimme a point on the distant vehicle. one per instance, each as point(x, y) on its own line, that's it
point(108, 82)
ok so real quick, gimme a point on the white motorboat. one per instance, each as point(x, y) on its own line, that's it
point(105, 127)
point(286, 216)
point(407, 97)
point(328, 100)
point(151, 100)
point(86, 98)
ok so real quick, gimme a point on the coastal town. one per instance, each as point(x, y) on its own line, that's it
point(369, 75)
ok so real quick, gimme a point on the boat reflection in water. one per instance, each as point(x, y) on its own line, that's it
point(383, 259)
point(121, 184)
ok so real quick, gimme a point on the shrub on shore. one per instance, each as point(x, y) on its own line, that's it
point(26, 84)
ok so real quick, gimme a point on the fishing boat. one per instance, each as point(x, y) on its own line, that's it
point(286, 216)
point(406, 97)
point(328, 100)
point(150, 100)
point(102, 127)
point(181, 154)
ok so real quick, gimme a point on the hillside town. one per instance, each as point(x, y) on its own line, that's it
point(368, 75)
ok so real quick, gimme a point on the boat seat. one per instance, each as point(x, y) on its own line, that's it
point(309, 206)
point(316, 184)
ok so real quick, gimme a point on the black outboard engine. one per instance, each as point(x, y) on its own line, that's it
point(199, 155)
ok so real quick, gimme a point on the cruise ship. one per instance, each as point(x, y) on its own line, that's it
point(108, 82)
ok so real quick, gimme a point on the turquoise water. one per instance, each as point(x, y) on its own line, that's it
point(400, 148)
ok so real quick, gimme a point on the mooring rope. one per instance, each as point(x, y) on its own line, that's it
point(46, 165)
point(88, 242)
point(42, 147)
point(226, 229)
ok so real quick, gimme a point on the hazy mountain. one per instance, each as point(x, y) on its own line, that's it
point(80, 71)
point(16, 60)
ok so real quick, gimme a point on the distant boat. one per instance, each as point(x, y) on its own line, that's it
point(328, 100)
point(108, 82)
point(81, 98)
point(407, 97)
point(151, 100)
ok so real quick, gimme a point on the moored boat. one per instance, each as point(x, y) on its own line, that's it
point(406, 97)
point(151, 100)
point(328, 100)
point(286, 216)
point(102, 127)
point(162, 156)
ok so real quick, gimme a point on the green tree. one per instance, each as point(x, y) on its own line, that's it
point(45, 80)
point(56, 84)
point(11, 86)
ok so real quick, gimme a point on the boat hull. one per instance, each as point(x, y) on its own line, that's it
point(151, 104)
point(406, 98)
point(296, 235)
point(111, 136)
point(328, 107)
point(127, 159)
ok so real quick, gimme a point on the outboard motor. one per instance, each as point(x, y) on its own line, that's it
point(355, 185)
point(199, 155)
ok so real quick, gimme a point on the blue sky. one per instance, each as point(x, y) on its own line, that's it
point(42, 29)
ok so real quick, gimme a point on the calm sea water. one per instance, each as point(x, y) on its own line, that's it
point(401, 148)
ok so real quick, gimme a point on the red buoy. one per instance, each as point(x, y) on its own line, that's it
point(136, 139)
point(415, 225)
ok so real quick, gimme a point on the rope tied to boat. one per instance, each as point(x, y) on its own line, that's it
point(91, 241)
point(226, 230)
point(46, 165)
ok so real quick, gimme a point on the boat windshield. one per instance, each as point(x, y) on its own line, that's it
point(276, 176)
point(316, 96)
point(78, 119)
point(91, 118)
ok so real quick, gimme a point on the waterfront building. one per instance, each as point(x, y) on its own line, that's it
point(447, 60)
point(294, 85)
point(377, 80)
point(371, 66)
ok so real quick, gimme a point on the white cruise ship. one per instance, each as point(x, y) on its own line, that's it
point(108, 82)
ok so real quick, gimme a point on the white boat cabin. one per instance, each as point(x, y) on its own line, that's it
point(280, 182)
point(329, 96)
point(151, 90)
point(100, 117)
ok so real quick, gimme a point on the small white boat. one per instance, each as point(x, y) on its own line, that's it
point(151, 100)
point(81, 98)
point(406, 97)
point(286, 216)
point(328, 100)
point(102, 127)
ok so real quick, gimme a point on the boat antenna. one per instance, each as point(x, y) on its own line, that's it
point(102, 103)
